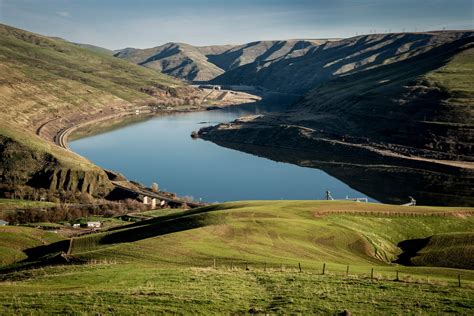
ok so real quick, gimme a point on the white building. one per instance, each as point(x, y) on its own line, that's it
point(3, 223)
point(93, 224)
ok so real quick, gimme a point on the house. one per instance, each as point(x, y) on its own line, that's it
point(93, 224)
point(3, 223)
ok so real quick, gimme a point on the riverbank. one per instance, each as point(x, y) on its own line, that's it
point(261, 131)
point(384, 175)
point(60, 129)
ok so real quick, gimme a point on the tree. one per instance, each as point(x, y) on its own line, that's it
point(154, 187)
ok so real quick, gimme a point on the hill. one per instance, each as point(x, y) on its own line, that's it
point(15, 240)
point(46, 85)
point(336, 232)
point(245, 256)
point(194, 63)
point(96, 49)
point(335, 58)
point(262, 51)
point(413, 101)
point(177, 59)
point(258, 232)
point(453, 249)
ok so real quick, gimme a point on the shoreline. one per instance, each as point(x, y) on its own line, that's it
point(58, 130)
point(229, 132)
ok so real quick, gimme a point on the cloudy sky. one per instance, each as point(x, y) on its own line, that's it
point(144, 23)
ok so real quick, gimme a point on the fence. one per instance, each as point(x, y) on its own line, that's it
point(337, 271)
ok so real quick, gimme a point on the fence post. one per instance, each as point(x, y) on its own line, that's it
point(347, 271)
point(372, 274)
point(281, 267)
point(324, 268)
point(232, 265)
point(214, 263)
point(459, 280)
point(265, 266)
point(246, 266)
point(299, 265)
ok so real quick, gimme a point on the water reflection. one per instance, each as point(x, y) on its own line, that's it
point(160, 149)
point(429, 184)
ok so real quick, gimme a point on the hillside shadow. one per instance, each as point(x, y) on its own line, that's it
point(41, 251)
point(410, 249)
point(157, 228)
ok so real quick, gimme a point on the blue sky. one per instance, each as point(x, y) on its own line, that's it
point(144, 23)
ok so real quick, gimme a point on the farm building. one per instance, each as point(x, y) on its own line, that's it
point(93, 224)
point(3, 223)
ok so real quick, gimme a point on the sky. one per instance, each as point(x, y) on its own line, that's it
point(116, 24)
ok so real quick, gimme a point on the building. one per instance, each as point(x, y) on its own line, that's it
point(3, 223)
point(93, 224)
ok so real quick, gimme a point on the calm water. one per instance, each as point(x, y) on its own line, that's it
point(161, 150)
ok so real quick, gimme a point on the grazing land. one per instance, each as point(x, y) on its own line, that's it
point(106, 288)
point(250, 254)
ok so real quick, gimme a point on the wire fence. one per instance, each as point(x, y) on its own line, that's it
point(337, 270)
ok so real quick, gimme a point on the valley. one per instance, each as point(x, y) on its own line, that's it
point(291, 176)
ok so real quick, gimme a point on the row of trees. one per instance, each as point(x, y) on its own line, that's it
point(68, 212)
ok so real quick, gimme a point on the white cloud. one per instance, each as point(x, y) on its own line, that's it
point(63, 14)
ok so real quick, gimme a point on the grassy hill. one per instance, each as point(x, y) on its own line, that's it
point(96, 49)
point(310, 232)
point(451, 249)
point(42, 76)
point(50, 80)
point(244, 257)
point(14, 240)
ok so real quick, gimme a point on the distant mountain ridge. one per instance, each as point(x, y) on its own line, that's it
point(204, 63)
point(332, 59)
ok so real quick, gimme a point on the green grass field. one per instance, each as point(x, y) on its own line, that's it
point(244, 257)
point(15, 239)
point(151, 289)
point(7, 204)
point(310, 232)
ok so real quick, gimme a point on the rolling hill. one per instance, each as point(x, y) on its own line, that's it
point(337, 232)
point(246, 256)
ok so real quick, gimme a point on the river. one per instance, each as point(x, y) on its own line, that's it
point(161, 150)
